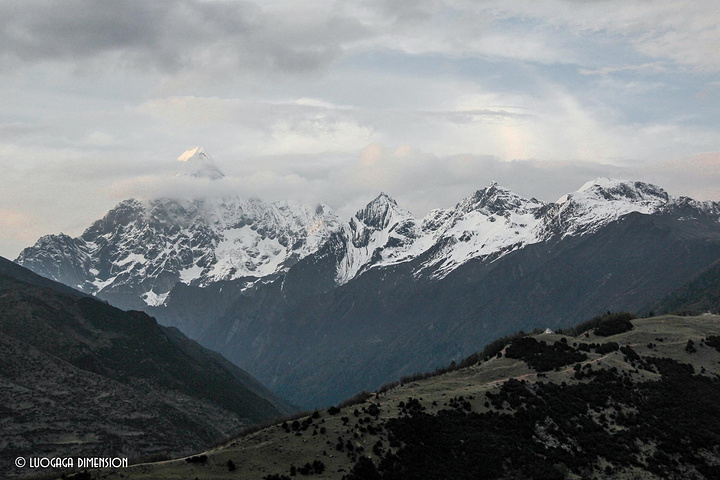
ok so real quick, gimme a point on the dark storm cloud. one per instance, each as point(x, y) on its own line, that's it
point(170, 35)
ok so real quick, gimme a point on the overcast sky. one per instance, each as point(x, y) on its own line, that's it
point(335, 101)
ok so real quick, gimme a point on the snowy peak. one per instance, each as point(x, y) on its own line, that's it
point(380, 233)
point(197, 163)
point(609, 189)
point(497, 200)
point(147, 247)
point(601, 201)
point(488, 224)
point(378, 213)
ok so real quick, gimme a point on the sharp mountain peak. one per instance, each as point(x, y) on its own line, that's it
point(496, 199)
point(198, 164)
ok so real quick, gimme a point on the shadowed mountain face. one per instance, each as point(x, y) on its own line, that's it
point(80, 377)
point(387, 323)
point(700, 295)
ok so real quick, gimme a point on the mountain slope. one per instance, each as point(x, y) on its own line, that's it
point(80, 377)
point(702, 294)
point(387, 322)
point(638, 403)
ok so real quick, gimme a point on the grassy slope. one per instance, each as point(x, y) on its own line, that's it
point(273, 450)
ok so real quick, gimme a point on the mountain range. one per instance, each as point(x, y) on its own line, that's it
point(317, 308)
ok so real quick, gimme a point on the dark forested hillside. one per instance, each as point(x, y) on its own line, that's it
point(700, 295)
point(80, 377)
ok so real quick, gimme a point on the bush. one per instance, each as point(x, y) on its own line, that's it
point(713, 341)
point(606, 324)
point(356, 399)
point(541, 356)
point(614, 323)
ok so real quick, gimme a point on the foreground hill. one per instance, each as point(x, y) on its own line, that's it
point(80, 377)
point(636, 404)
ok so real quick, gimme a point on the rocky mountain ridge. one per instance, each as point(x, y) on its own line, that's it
point(140, 250)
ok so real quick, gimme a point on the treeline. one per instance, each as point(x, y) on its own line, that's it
point(610, 323)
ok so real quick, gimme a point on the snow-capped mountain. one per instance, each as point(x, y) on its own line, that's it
point(379, 234)
point(149, 246)
point(197, 163)
point(141, 249)
point(488, 224)
point(600, 202)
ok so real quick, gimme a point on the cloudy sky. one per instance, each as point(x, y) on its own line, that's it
point(334, 101)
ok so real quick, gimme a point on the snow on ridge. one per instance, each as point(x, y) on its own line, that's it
point(601, 182)
point(194, 241)
point(601, 201)
point(379, 234)
point(495, 221)
point(497, 199)
point(193, 153)
point(255, 238)
point(488, 224)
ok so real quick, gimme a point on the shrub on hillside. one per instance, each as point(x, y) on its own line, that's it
point(607, 324)
point(541, 356)
point(614, 323)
